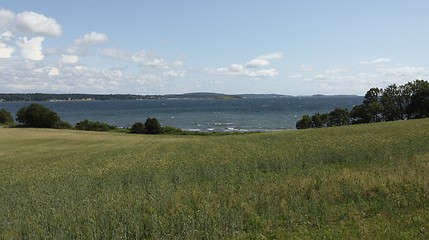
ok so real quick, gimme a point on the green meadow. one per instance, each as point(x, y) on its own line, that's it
point(361, 181)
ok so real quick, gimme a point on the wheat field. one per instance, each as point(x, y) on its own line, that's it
point(366, 181)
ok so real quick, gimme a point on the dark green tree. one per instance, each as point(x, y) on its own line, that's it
point(304, 122)
point(152, 126)
point(319, 120)
point(38, 116)
point(370, 110)
point(339, 117)
point(5, 117)
point(373, 105)
point(419, 100)
point(392, 103)
point(360, 115)
point(138, 128)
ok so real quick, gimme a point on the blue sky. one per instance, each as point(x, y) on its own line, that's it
point(161, 47)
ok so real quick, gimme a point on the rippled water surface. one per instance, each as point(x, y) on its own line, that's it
point(247, 114)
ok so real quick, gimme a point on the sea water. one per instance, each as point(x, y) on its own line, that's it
point(220, 115)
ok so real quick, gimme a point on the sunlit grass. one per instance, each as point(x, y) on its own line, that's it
point(366, 181)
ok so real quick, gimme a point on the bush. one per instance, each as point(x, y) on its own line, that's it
point(5, 117)
point(38, 116)
point(152, 126)
point(62, 125)
point(138, 128)
point(87, 125)
point(171, 130)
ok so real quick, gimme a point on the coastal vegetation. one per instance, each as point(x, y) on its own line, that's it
point(37, 116)
point(360, 181)
point(38, 97)
point(5, 117)
point(88, 125)
point(408, 101)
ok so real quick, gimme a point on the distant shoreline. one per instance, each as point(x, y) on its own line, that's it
point(48, 97)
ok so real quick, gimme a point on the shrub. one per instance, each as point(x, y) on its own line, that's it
point(36, 115)
point(5, 117)
point(88, 125)
point(62, 125)
point(171, 130)
point(152, 126)
point(138, 127)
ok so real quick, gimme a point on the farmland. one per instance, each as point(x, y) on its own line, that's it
point(363, 181)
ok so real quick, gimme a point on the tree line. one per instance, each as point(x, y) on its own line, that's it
point(408, 101)
point(39, 97)
point(37, 116)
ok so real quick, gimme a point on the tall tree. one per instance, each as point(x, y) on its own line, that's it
point(372, 104)
point(392, 104)
point(419, 100)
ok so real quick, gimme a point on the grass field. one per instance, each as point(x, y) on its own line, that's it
point(364, 181)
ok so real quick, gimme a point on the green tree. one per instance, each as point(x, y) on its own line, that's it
point(370, 110)
point(304, 122)
point(359, 115)
point(319, 120)
point(5, 117)
point(372, 104)
point(138, 127)
point(152, 126)
point(339, 117)
point(392, 103)
point(418, 106)
point(38, 116)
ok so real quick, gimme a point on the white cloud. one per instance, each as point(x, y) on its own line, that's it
point(177, 64)
point(404, 71)
point(6, 18)
point(31, 49)
point(239, 70)
point(145, 59)
point(254, 63)
point(6, 51)
point(264, 60)
point(69, 58)
point(248, 68)
point(37, 24)
point(376, 61)
point(142, 58)
point(6, 36)
point(263, 73)
point(53, 71)
point(175, 74)
point(90, 39)
point(272, 56)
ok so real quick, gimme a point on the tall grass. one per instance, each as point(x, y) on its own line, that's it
point(367, 181)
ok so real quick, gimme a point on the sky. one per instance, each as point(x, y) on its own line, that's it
point(293, 47)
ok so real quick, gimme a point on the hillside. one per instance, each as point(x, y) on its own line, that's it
point(362, 181)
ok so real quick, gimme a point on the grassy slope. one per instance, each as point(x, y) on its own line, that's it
point(347, 182)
